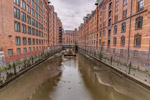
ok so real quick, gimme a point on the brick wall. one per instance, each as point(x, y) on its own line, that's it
point(8, 34)
point(106, 12)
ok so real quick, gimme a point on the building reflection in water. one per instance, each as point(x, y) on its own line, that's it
point(105, 84)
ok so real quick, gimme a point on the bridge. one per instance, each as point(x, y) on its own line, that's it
point(72, 46)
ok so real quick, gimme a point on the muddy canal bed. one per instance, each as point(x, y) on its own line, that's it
point(78, 78)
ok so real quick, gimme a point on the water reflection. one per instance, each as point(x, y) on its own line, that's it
point(45, 88)
point(33, 82)
point(71, 85)
point(87, 79)
point(105, 84)
point(78, 78)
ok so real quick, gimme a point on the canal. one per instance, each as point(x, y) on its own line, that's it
point(79, 78)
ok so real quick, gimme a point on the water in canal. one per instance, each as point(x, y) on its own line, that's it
point(79, 78)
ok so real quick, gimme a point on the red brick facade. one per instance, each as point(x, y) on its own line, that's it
point(119, 29)
point(27, 27)
point(70, 37)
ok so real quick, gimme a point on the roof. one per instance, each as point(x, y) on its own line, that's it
point(68, 31)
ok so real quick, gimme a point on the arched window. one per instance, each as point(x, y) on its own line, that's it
point(114, 41)
point(115, 29)
point(122, 41)
point(123, 27)
point(137, 40)
point(139, 22)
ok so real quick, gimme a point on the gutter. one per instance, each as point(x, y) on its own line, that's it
point(129, 33)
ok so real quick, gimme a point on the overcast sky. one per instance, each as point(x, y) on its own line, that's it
point(71, 12)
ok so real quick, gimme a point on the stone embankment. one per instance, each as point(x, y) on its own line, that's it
point(127, 70)
point(15, 69)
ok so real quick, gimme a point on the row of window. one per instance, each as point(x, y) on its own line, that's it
point(23, 16)
point(140, 4)
point(140, 7)
point(124, 16)
point(123, 28)
point(34, 41)
point(10, 51)
point(27, 29)
point(137, 41)
point(124, 2)
point(102, 33)
point(138, 25)
point(34, 5)
point(34, 13)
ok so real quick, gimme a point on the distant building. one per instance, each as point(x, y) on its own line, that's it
point(70, 37)
point(60, 40)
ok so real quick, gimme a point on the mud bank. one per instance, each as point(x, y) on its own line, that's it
point(26, 86)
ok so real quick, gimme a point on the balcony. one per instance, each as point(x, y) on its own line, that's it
point(110, 1)
point(109, 17)
point(109, 27)
point(109, 37)
point(110, 9)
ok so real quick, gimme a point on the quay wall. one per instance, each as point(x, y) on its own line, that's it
point(136, 68)
point(14, 69)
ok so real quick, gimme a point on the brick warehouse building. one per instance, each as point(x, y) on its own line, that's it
point(60, 35)
point(55, 27)
point(27, 28)
point(119, 30)
point(70, 37)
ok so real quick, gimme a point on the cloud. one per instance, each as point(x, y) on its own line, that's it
point(71, 12)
